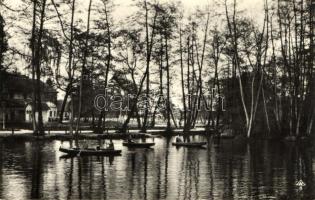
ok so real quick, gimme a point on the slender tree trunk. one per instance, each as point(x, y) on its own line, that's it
point(168, 103)
point(72, 116)
point(64, 102)
point(311, 119)
point(187, 123)
point(108, 64)
point(144, 126)
point(3, 115)
point(83, 68)
point(33, 68)
point(161, 83)
point(70, 57)
point(182, 78)
point(233, 34)
point(40, 125)
point(200, 67)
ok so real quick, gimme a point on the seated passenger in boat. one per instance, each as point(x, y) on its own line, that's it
point(85, 144)
point(178, 140)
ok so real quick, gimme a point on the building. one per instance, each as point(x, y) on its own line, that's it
point(67, 110)
point(49, 112)
point(16, 98)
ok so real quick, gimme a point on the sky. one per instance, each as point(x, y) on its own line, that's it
point(252, 8)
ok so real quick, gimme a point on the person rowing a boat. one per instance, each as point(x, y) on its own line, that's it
point(129, 140)
point(111, 145)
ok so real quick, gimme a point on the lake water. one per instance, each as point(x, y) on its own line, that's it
point(225, 170)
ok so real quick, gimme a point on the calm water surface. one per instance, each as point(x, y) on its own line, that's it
point(225, 170)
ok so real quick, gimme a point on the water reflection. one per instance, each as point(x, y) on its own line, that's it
point(224, 170)
point(36, 170)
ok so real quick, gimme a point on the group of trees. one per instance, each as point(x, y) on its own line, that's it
point(262, 70)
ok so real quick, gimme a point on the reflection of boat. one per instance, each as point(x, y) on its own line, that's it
point(138, 144)
point(90, 151)
point(67, 156)
point(189, 144)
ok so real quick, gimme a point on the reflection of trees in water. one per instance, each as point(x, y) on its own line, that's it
point(180, 177)
point(145, 177)
point(131, 178)
point(70, 181)
point(83, 184)
point(168, 141)
point(158, 186)
point(1, 169)
point(189, 174)
point(253, 170)
point(210, 169)
point(80, 178)
point(307, 169)
point(36, 171)
point(161, 166)
point(299, 166)
point(137, 174)
point(103, 178)
point(268, 169)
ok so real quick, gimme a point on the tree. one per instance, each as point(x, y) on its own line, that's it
point(148, 59)
point(167, 23)
point(37, 62)
point(107, 27)
point(3, 49)
point(67, 82)
point(3, 42)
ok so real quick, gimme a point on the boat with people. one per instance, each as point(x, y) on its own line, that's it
point(179, 143)
point(138, 144)
point(133, 144)
point(87, 151)
point(189, 144)
point(90, 151)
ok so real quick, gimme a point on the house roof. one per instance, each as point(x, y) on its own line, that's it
point(45, 106)
point(13, 82)
point(15, 103)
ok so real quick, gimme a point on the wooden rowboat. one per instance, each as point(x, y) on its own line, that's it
point(90, 151)
point(189, 144)
point(138, 144)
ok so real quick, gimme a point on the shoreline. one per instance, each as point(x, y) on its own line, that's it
point(88, 134)
point(27, 135)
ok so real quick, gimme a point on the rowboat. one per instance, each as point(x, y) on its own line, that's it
point(90, 151)
point(189, 144)
point(138, 144)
